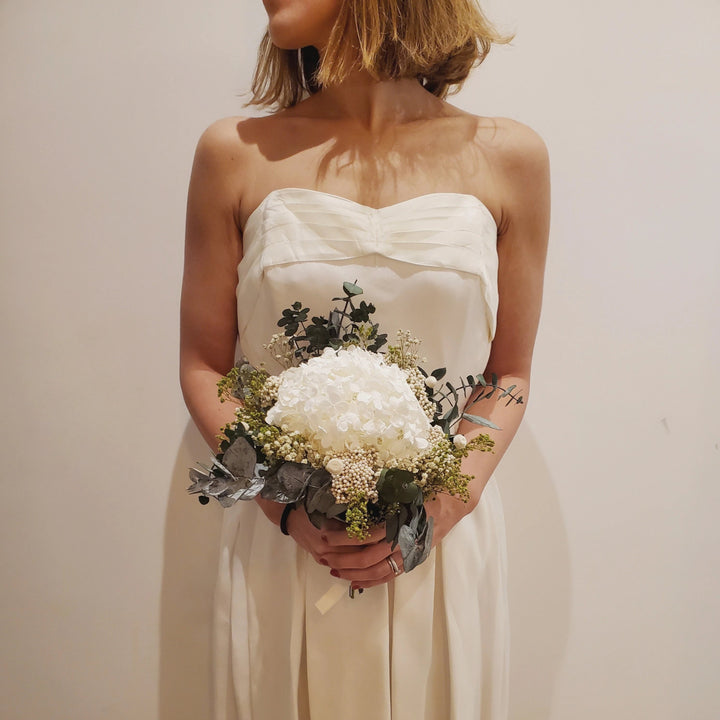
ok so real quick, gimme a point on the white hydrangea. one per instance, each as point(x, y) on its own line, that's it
point(351, 399)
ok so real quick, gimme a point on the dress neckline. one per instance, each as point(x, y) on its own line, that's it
point(360, 206)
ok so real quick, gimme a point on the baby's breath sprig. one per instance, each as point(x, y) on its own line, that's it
point(405, 354)
point(242, 382)
point(416, 381)
point(229, 384)
point(282, 351)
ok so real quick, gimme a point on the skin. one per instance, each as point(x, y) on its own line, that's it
point(375, 143)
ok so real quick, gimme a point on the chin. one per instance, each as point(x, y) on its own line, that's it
point(287, 37)
point(294, 24)
point(287, 42)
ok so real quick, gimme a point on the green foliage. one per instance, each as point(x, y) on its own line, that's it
point(397, 486)
point(348, 325)
point(447, 394)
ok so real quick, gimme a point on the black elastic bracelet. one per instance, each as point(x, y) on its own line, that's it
point(283, 520)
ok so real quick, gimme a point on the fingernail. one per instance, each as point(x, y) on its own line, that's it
point(323, 561)
point(335, 573)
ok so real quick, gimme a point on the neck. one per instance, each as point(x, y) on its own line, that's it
point(375, 104)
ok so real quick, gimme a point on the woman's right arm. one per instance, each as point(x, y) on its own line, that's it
point(213, 249)
point(208, 325)
point(208, 310)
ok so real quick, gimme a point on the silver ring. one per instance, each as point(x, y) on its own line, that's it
point(393, 565)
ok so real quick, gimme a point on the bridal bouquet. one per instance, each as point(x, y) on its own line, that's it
point(352, 432)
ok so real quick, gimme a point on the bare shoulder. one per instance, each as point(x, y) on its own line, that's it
point(221, 143)
point(222, 166)
point(514, 146)
point(521, 151)
point(521, 166)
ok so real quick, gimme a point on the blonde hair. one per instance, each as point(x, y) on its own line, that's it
point(436, 41)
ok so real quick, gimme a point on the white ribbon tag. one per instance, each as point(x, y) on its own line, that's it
point(330, 598)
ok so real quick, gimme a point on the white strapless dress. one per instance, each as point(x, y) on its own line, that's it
point(432, 644)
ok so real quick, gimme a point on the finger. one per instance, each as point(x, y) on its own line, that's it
point(357, 560)
point(362, 584)
point(380, 572)
point(357, 585)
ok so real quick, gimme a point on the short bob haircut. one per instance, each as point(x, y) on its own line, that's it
point(436, 41)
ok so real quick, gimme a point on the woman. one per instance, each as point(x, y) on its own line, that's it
point(366, 174)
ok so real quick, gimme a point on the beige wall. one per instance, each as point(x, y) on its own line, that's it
point(611, 486)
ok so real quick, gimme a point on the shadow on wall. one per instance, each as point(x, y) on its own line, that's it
point(538, 577)
point(191, 551)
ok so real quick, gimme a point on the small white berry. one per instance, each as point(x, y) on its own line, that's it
point(460, 441)
point(335, 466)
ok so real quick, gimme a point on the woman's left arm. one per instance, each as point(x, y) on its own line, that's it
point(522, 247)
point(524, 175)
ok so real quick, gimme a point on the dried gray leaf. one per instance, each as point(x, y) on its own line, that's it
point(321, 500)
point(227, 490)
point(392, 526)
point(287, 483)
point(240, 458)
point(319, 478)
point(247, 493)
point(415, 547)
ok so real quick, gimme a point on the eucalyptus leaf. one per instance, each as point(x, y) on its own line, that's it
point(451, 414)
point(287, 483)
point(417, 521)
point(225, 489)
point(351, 289)
point(392, 526)
point(320, 501)
point(397, 486)
point(248, 493)
point(480, 421)
point(319, 478)
point(335, 320)
point(404, 515)
point(240, 458)
point(415, 547)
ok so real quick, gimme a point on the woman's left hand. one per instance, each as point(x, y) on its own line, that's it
point(447, 511)
point(373, 562)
